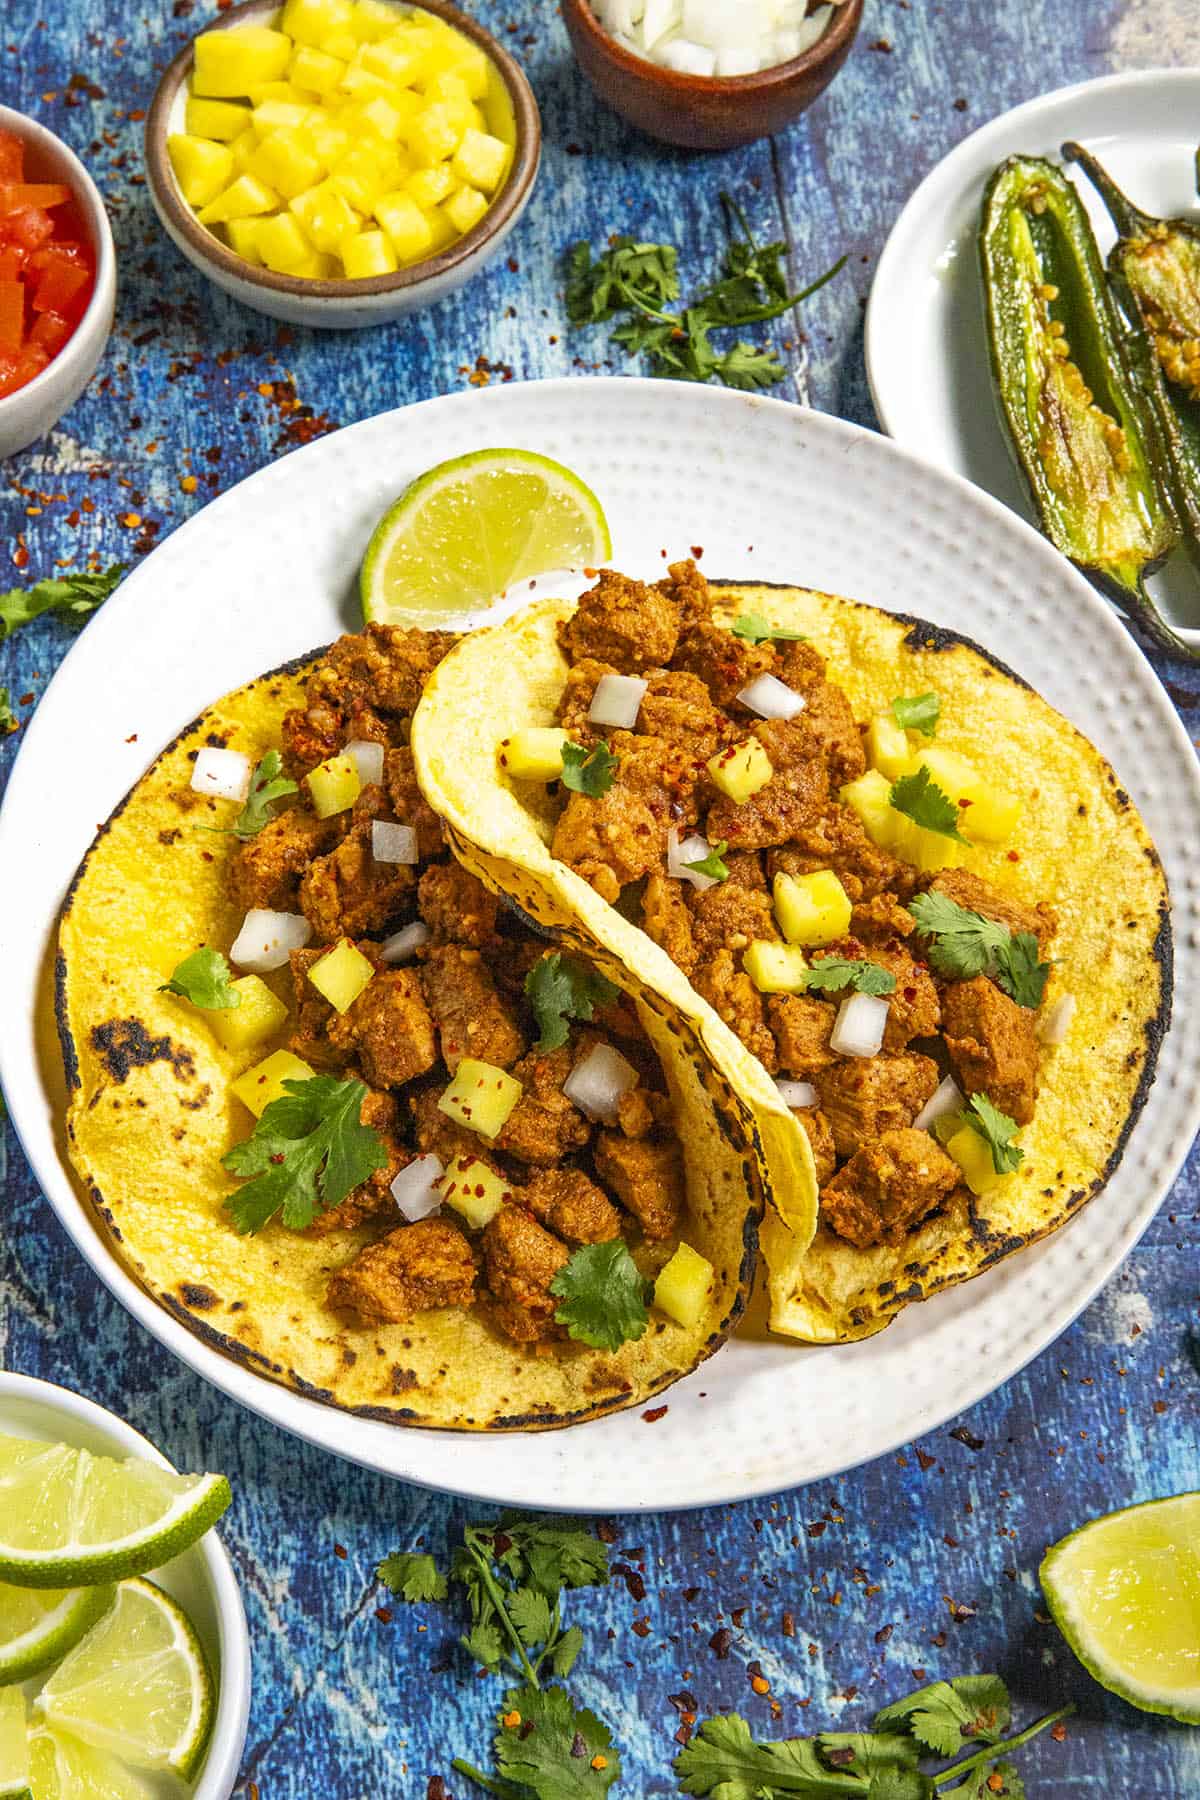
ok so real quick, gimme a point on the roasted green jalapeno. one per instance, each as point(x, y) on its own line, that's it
point(1086, 442)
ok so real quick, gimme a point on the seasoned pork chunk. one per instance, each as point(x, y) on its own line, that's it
point(887, 1188)
point(993, 1045)
point(522, 1259)
point(412, 1269)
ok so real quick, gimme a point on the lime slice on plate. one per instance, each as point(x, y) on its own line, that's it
point(70, 1519)
point(138, 1686)
point(465, 531)
point(65, 1769)
point(14, 1746)
point(1125, 1593)
point(39, 1625)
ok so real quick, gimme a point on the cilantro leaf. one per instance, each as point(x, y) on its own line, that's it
point(757, 629)
point(626, 273)
point(529, 1611)
point(560, 1554)
point(204, 979)
point(8, 718)
point(75, 596)
point(841, 972)
point(558, 1751)
point(917, 712)
point(307, 1152)
point(412, 1577)
point(979, 1784)
point(920, 799)
point(558, 989)
point(565, 1651)
point(604, 1296)
point(484, 1644)
point(1020, 971)
point(589, 772)
point(724, 1759)
point(964, 942)
point(267, 784)
point(998, 1132)
point(712, 865)
point(749, 369)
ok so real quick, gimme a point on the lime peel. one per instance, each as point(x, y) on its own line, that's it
point(38, 1627)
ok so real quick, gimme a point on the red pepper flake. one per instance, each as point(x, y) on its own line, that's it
point(511, 1720)
point(436, 1789)
point(655, 1414)
point(641, 1628)
point(884, 1633)
point(384, 1614)
point(20, 556)
point(1058, 1732)
point(131, 520)
point(599, 1762)
point(962, 1436)
point(719, 1643)
point(925, 1460)
point(697, 551)
point(789, 1625)
point(341, 1552)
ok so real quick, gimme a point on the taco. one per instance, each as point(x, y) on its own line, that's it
point(406, 1156)
point(914, 896)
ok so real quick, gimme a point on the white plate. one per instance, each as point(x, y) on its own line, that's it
point(769, 491)
point(926, 349)
point(202, 1579)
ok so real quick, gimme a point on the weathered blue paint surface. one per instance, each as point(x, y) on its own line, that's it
point(920, 1562)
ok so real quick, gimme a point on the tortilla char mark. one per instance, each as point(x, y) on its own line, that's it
point(124, 1045)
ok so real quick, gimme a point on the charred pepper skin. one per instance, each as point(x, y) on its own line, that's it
point(1085, 439)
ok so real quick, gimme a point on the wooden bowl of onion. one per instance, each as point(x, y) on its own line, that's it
point(702, 74)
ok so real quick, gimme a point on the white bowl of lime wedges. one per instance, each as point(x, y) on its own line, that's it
point(113, 1587)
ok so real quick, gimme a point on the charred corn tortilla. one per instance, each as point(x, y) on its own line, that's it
point(151, 1115)
point(1081, 847)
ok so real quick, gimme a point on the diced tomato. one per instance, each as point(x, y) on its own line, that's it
point(21, 368)
point(12, 314)
point(16, 195)
point(11, 263)
point(12, 157)
point(61, 286)
point(28, 228)
point(47, 270)
point(50, 332)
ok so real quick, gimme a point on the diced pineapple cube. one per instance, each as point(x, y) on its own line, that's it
point(243, 240)
point(335, 784)
point(368, 253)
point(279, 115)
point(361, 176)
point(313, 21)
point(283, 160)
point(533, 755)
point(429, 187)
point(683, 1284)
point(475, 1191)
point(362, 84)
point(450, 91)
point(201, 167)
point(481, 1097)
point(278, 91)
point(887, 747)
point(433, 135)
point(776, 968)
point(958, 779)
point(341, 975)
point(326, 217)
point(328, 141)
point(259, 1086)
point(480, 160)
point(223, 120)
point(925, 850)
point(315, 70)
point(974, 1158)
point(227, 64)
point(385, 119)
point(405, 224)
point(466, 59)
point(257, 1016)
point(812, 909)
point(442, 229)
point(870, 798)
point(245, 198)
point(373, 19)
point(242, 150)
point(992, 815)
point(401, 59)
point(738, 772)
point(341, 44)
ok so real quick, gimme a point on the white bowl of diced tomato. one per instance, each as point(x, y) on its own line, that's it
point(58, 280)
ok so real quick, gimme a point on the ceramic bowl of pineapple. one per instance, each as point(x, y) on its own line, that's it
point(341, 162)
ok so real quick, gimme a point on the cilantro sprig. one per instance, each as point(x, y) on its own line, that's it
point(560, 989)
point(604, 1296)
point(918, 712)
point(76, 597)
point(754, 627)
point(267, 784)
point(998, 1132)
point(205, 979)
point(591, 772)
point(639, 280)
point(964, 944)
point(920, 799)
point(306, 1153)
point(835, 972)
point(713, 865)
point(412, 1576)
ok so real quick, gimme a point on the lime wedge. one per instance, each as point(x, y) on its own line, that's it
point(462, 534)
point(1125, 1593)
point(138, 1686)
point(70, 1519)
point(65, 1769)
point(14, 1746)
point(39, 1625)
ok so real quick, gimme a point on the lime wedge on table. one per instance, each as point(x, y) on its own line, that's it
point(138, 1686)
point(39, 1625)
point(70, 1519)
point(14, 1746)
point(65, 1769)
point(465, 531)
point(1125, 1593)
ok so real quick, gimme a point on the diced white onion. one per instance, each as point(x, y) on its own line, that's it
point(797, 1093)
point(596, 1084)
point(859, 1027)
point(948, 1098)
point(772, 699)
point(393, 843)
point(403, 945)
point(368, 760)
point(1056, 1020)
point(690, 850)
point(687, 58)
point(225, 774)
point(415, 1189)
point(617, 700)
point(267, 939)
point(727, 38)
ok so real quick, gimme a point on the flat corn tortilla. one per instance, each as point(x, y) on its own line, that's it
point(151, 1115)
point(1080, 846)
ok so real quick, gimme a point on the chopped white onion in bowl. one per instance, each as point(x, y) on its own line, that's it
point(689, 850)
point(393, 843)
point(617, 700)
point(267, 939)
point(225, 774)
point(596, 1084)
point(722, 38)
point(1056, 1020)
point(403, 945)
point(771, 698)
point(367, 759)
point(415, 1189)
point(947, 1098)
point(797, 1093)
point(859, 1027)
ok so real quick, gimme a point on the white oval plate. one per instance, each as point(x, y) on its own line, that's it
point(926, 348)
point(769, 491)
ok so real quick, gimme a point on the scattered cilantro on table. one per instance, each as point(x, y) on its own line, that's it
point(756, 630)
point(713, 865)
point(204, 979)
point(558, 989)
point(307, 1152)
point(917, 712)
point(839, 971)
point(965, 943)
point(589, 772)
point(920, 799)
point(75, 596)
point(8, 718)
point(412, 1577)
point(998, 1132)
point(604, 1296)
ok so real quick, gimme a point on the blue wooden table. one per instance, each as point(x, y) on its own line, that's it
point(924, 1562)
